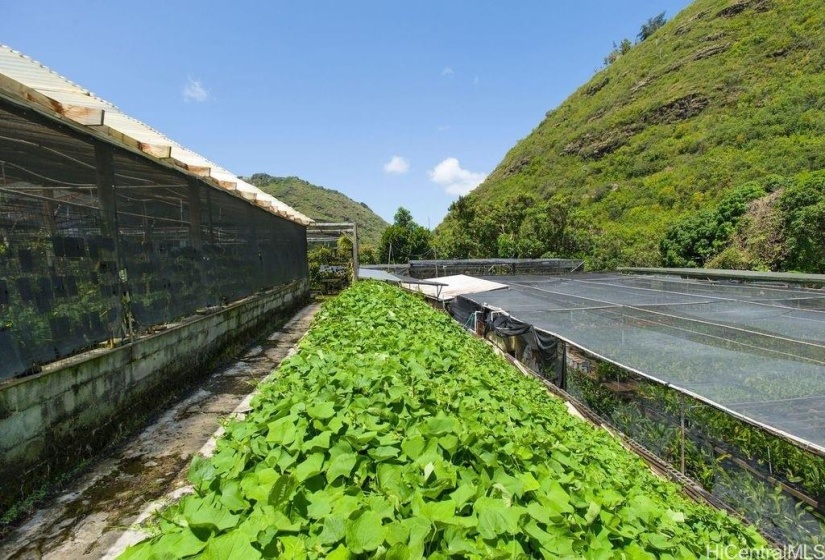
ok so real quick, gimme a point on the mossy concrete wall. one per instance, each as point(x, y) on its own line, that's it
point(53, 421)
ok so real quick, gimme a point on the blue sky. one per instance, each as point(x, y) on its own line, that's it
point(392, 103)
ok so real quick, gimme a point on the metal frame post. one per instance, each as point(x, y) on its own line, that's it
point(355, 262)
point(105, 180)
point(682, 428)
point(194, 197)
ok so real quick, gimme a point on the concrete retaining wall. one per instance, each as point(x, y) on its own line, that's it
point(52, 421)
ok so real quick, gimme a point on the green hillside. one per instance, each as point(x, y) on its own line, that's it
point(323, 205)
point(729, 91)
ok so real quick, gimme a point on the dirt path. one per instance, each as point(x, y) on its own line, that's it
point(95, 512)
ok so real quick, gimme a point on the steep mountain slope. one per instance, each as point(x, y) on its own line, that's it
point(727, 92)
point(323, 205)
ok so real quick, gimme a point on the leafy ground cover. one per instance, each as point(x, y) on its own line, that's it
point(394, 434)
point(735, 461)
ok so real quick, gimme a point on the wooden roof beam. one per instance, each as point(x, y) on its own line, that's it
point(88, 116)
point(156, 150)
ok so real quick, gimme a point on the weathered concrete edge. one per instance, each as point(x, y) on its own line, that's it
point(138, 530)
point(51, 422)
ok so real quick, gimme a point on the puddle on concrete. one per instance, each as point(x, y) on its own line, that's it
point(92, 513)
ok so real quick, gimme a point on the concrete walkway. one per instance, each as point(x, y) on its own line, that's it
point(94, 513)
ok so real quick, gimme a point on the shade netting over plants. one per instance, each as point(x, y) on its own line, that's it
point(724, 380)
point(757, 350)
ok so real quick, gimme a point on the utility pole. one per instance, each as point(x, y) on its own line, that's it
point(355, 263)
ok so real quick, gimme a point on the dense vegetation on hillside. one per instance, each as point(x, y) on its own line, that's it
point(323, 205)
point(775, 224)
point(728, 92)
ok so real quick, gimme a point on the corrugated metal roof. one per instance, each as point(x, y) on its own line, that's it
point(32, 83)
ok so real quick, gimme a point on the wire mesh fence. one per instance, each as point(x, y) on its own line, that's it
point(724, 381)
point(99, 244)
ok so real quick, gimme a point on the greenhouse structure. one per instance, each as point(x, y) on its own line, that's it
point(723, 378)
point(133, 257)
point(103, 219)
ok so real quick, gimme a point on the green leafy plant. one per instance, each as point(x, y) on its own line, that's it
point(651, 414)
point(394, 434)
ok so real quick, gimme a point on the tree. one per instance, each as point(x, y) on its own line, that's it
point(404, 239)
point(625, 46)
point(650, 27)
point(699, 237)
point(618, 51)
point(403, 218)
point(802, 207)
point(519, 226)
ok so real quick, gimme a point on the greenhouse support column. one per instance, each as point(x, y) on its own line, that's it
point(682, 426)
point(195, 239)
point(258, 281)
point(209, 225)
point(355, 263)
point(253, 230)
point(105, 179)
point(194, 215)
point(49, 210)
point(561, 364)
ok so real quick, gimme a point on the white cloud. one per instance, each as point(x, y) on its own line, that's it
point(397, 165)
point(443, 128)
point(454, 179)
point(194, 91)
point(475, 81)
point(448, 71)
